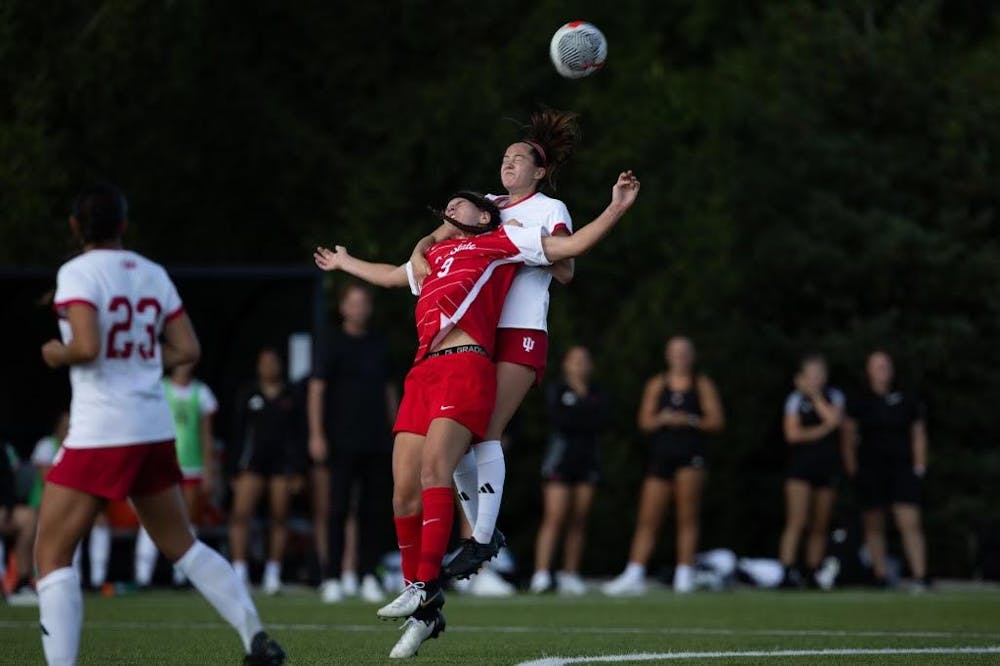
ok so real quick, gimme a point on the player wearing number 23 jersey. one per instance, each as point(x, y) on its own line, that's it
point(118, 398)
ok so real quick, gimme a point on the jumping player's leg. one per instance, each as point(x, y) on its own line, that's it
point(446, 442)
point(164, 516)
point(247, 490)
point(407, 509)
point(65, 516)
point(823, 499)
point(797, 494)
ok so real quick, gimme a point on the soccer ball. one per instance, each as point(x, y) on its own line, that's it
point(578, 49)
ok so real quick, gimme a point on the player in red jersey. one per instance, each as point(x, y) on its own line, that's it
point(114, 307)
point(522, 336)
point(450, 392)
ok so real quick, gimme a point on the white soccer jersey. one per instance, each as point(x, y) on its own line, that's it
point(527, 304)
point(118, 397)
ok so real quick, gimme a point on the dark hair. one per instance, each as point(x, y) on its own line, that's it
point(100, 211)
point(350, 286)
point(811, 357)
point(481, 202)
point(552, 136)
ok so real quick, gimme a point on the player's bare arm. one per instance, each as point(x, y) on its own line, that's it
point(86, 343)
point(563, 270)
point(380, 275)
point(418, 259)
point(623, 195)
point(180, 343)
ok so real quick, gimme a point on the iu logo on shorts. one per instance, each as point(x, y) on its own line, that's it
point(528, 343)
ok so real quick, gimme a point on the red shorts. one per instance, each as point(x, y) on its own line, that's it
point(524, 346)
point(461, 387)
point(117, 472)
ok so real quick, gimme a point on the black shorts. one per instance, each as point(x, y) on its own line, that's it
point(665, 461)
point(883, 483)
point(266, 461)
point(818, 468)
point(571, 463)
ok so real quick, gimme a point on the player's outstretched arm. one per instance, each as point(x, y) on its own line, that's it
point(623, 195)
point(380, 275)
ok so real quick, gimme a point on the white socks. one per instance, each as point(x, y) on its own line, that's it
point(99, 549)
point(145, 558)
point(466, 475)
point(60, 609)
point(492, 472)
point(221, 587)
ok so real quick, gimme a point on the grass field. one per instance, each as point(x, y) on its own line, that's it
point(857, 626)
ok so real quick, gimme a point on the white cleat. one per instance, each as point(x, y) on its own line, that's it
point(541, 582)
point(488, 583)
point(625, 585)
point(415, 632)
point(405, 605)
point(570, 584)
point(330, 592)
point(371, 591)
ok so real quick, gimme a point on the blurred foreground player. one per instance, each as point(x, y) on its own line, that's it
point(114, 305)
point(449, 393)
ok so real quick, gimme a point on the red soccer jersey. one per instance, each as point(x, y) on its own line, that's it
point(468, 282)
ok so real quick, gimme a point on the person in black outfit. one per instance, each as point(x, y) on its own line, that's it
point(885, 452)
point(266, 434)
point(352, 404)
point(578, 412)
point(678, 408)
point(813, 414)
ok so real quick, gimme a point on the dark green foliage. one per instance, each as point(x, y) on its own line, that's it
point(816, 176)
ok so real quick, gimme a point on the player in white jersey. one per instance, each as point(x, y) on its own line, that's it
point(522, 335)
point(114, 306)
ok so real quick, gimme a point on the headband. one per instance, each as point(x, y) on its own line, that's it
point(538, 149)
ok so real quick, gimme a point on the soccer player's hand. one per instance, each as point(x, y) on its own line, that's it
point(625, 191)
point(331, 260)
point(513, 223)
point(53, 352)
point(421, 268)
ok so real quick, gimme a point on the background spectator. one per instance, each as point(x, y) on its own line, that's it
point(267, 425)
point(578, 412)
point(885, 450)
point(813, 413)
point(678, 407)
point(352, 404)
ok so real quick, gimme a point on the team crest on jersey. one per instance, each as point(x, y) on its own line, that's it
point(528, 343)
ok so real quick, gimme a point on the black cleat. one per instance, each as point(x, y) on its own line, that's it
point(472, 555)
point(264, 651)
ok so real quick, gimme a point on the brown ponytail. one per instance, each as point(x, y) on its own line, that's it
point(552, 136)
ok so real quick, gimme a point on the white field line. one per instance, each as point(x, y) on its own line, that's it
point(766, 654)
point(502, 629)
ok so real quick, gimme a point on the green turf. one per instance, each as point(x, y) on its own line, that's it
point(180, 628)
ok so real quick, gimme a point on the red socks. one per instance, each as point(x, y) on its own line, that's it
point(439, 513)
point(408, 536)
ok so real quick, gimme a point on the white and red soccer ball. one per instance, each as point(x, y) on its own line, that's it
point(578, 49)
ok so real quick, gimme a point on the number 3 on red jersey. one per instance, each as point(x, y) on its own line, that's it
point(120, 339)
